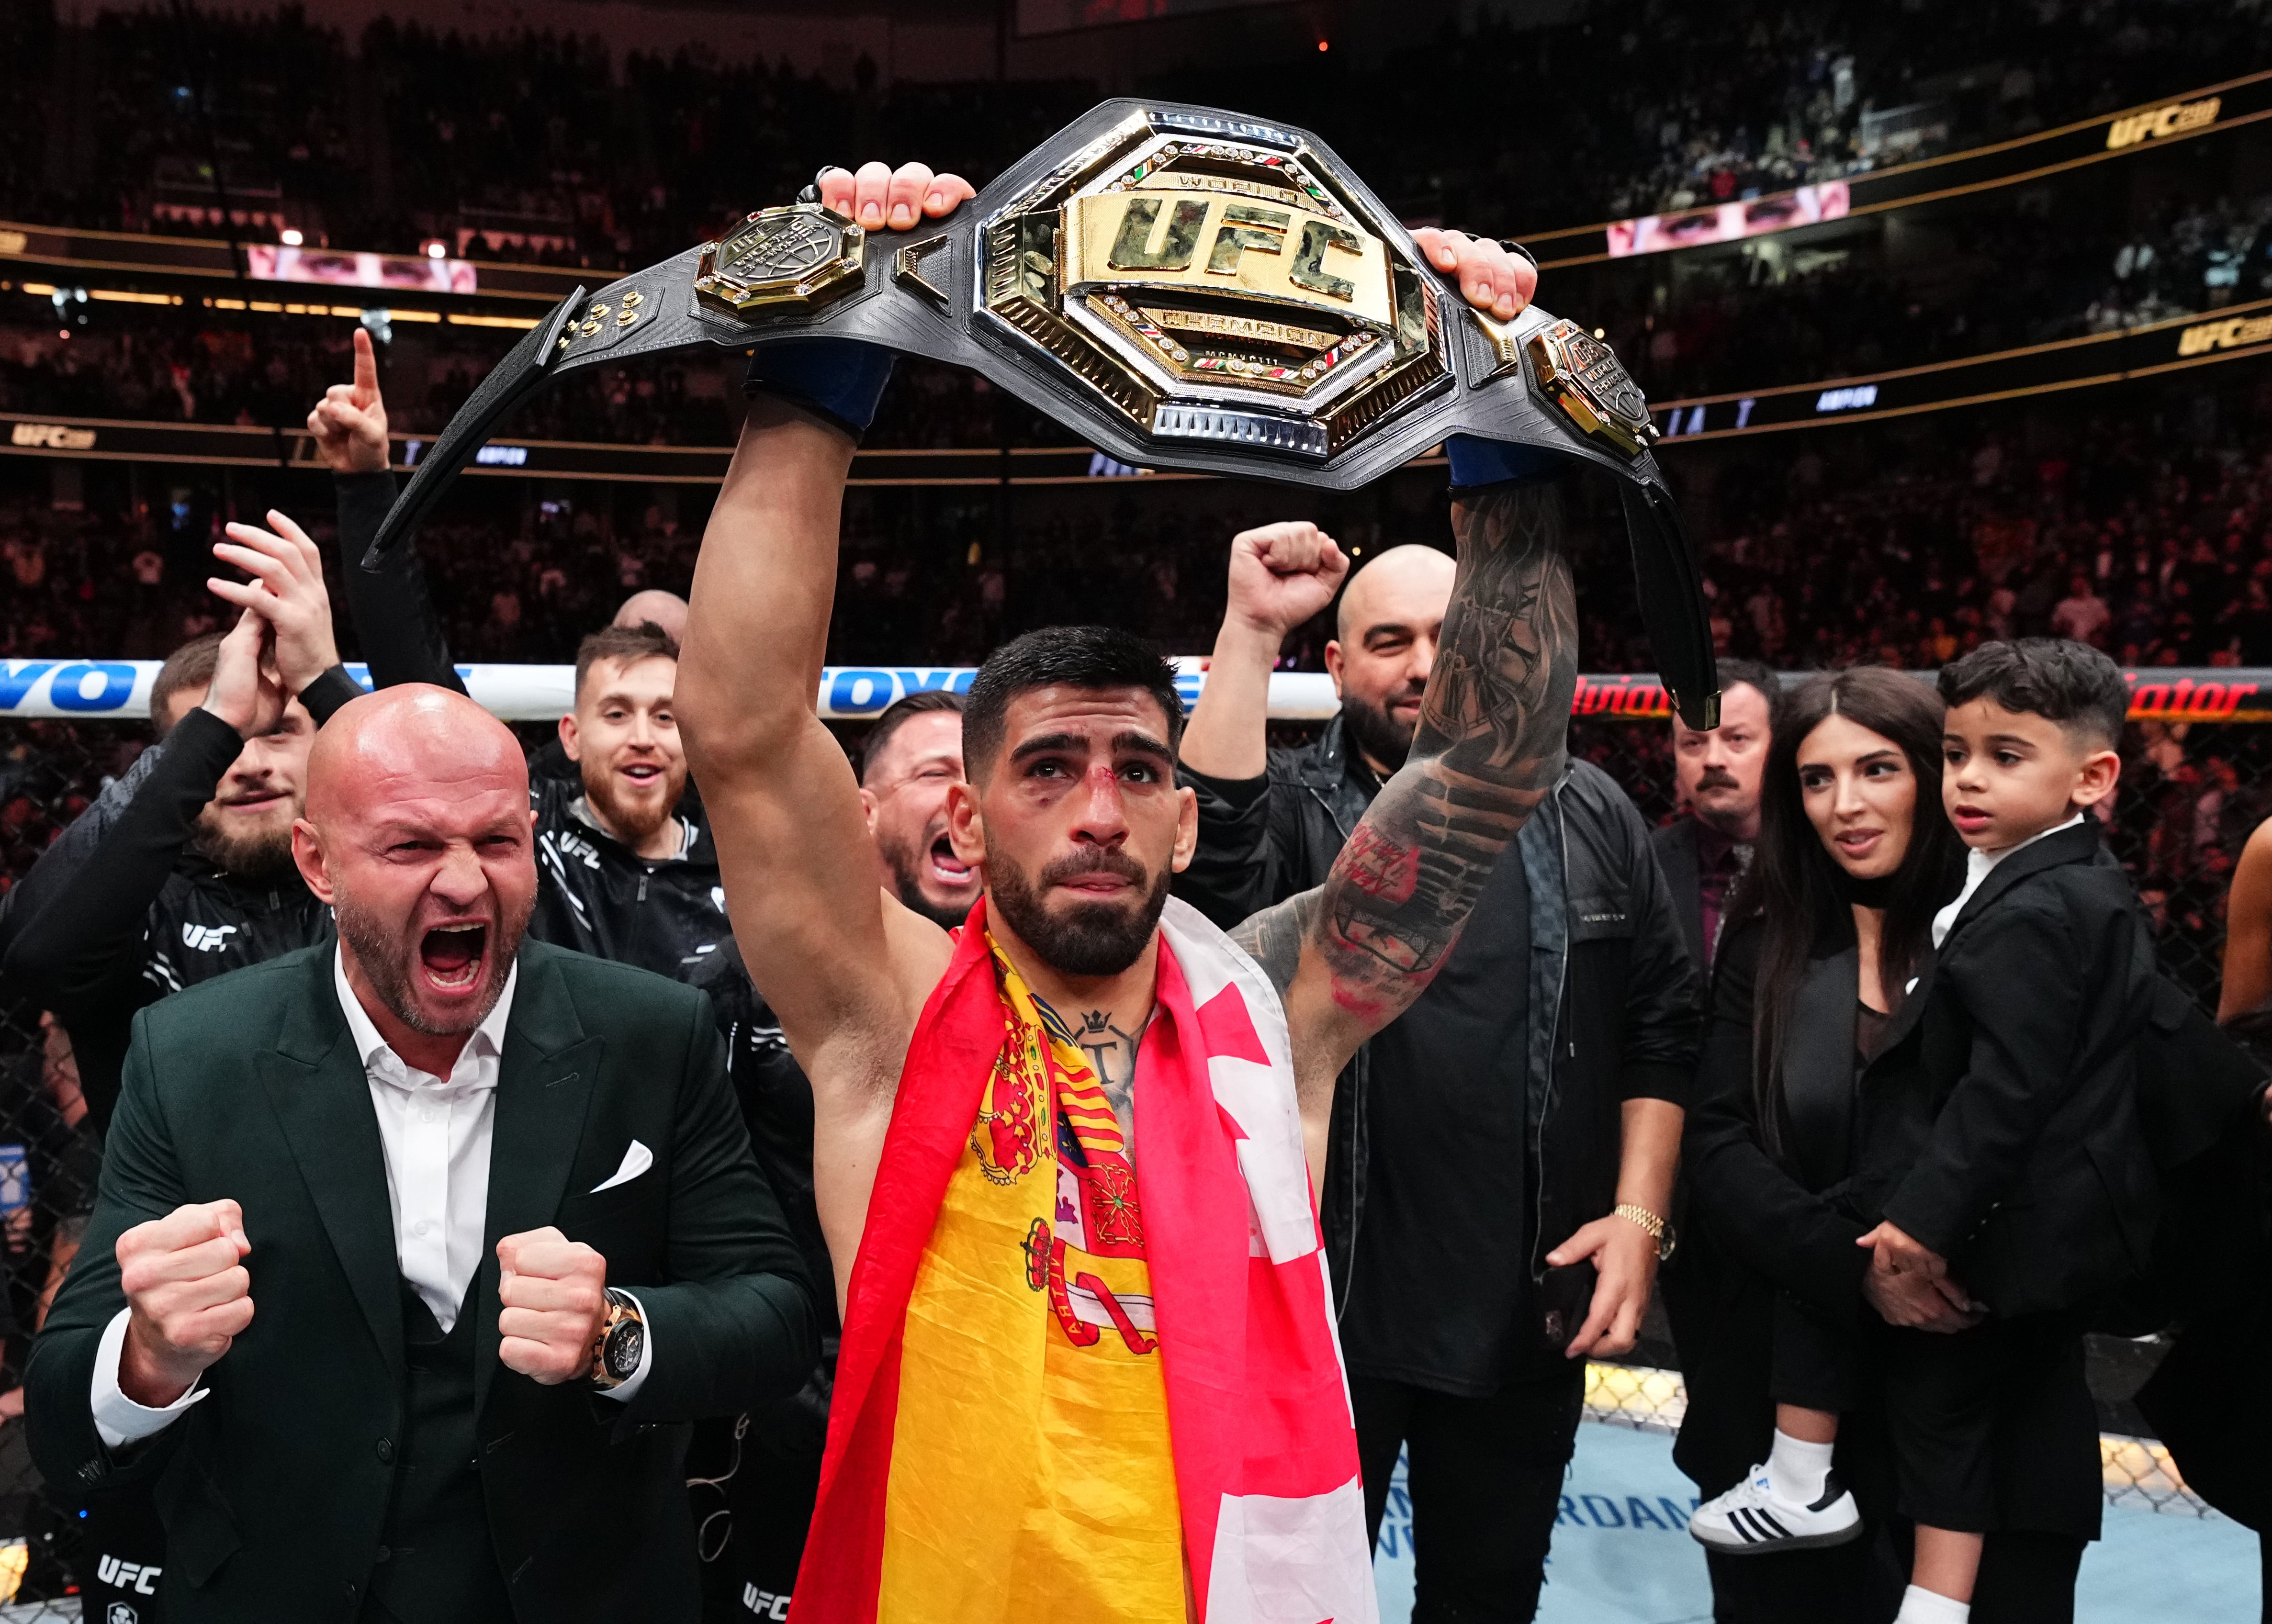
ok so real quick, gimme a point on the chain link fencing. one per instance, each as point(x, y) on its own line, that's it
point(2190, 794)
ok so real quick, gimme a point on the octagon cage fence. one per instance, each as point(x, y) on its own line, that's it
point(2197, 781)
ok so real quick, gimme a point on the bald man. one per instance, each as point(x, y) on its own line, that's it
point(664, 611)
point(412, 1253)
point(1496, 1218)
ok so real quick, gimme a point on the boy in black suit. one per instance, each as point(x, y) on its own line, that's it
point(2016, 1182)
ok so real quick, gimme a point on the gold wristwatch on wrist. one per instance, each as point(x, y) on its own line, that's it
point(1657, 1229)
point(622, 1337)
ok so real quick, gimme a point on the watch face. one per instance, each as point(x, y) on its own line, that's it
point(621, 1352)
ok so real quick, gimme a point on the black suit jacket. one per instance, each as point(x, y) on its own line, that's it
point(2020, 1157)
point(275, 1487)
point(1682, 865)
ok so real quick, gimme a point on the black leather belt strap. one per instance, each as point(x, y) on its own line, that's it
point(1187, 288)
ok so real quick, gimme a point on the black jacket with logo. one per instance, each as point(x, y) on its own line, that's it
point(1604, 1011)
point(597, 894)
point(121, 911)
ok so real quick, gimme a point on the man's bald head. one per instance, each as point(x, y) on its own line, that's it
point(417, 834)
point(1410, 585)
point(401, 737)
point(1392, 612)
point(655, 608)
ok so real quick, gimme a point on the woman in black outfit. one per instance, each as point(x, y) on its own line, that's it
point(1812, 1024)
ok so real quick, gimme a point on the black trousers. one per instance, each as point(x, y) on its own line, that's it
point(1485, 1477)
point(124, 1543)
point(752, 1500)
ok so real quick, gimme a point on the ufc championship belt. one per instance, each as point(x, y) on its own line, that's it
point(1187, 288)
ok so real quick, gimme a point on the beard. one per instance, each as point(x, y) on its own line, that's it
point(1090, 938)
point(1378, 734)
point(385, 966)
point(905, 859)
point(633, 821)
point(261, 855)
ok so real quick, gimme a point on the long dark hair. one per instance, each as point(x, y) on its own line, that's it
point(1797, 888)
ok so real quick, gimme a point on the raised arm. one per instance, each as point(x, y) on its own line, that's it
point(1249, 844)
point(844, 968)
point(390, 606)
point(1492, 743)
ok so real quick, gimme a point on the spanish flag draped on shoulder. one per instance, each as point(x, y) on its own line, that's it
point(1060, 1398)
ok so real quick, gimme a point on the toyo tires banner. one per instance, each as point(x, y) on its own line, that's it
point(117, 690)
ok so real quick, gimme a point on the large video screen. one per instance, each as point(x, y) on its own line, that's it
point(1729, 223)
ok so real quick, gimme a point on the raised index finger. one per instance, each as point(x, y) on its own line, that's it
point(366, 368)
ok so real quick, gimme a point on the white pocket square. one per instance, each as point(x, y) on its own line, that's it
point(636, 1160)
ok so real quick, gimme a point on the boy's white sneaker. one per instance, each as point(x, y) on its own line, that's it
point(1752, 1520)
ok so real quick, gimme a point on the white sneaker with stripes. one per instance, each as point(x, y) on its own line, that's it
point(1752, 1520)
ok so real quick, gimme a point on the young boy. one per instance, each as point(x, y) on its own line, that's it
point(2015, 1182)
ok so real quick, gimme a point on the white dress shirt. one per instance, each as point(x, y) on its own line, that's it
point(436, 1133)
point(1978, 867)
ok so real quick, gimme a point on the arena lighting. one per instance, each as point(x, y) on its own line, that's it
point(2212, 107)
point(438, 251)
point(2238, 333)
point(2235, 332)
point(89, 689)
point(290, 236)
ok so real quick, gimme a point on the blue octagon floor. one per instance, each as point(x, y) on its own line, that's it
point(1622, 1555)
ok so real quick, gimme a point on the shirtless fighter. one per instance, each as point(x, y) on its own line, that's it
point(1066, 1159)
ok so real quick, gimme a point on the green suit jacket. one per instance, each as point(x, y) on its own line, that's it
point(275, 1487)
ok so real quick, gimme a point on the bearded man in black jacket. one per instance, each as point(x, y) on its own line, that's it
point(1502, 1219)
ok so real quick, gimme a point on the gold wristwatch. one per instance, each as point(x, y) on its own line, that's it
point(1658, 1230)
point(622, 1337)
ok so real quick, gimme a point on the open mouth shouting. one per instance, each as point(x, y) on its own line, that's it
point(453, 956)
point(945, 868)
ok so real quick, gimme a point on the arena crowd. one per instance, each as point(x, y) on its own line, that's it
point(687, 1158)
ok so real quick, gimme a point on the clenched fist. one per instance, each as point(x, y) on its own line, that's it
point(553, 1291)
point(190, 1296)
point(1282, 574)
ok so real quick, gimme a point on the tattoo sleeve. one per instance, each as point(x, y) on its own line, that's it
point(1273, 938)
point(1490, 745)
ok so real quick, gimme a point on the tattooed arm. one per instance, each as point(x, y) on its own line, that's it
point(1492, 743)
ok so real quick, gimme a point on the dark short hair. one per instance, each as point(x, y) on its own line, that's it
point(2057, 678)
point(1749, 673)
point(190, 666)
point(1083, 657)
point(897, 714)
point(628, 643)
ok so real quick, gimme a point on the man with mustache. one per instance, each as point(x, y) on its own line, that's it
point(628, 871)
point(413, 1254)
point(1500, 1176)
point(1706, 850)
point(1086, 1127)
